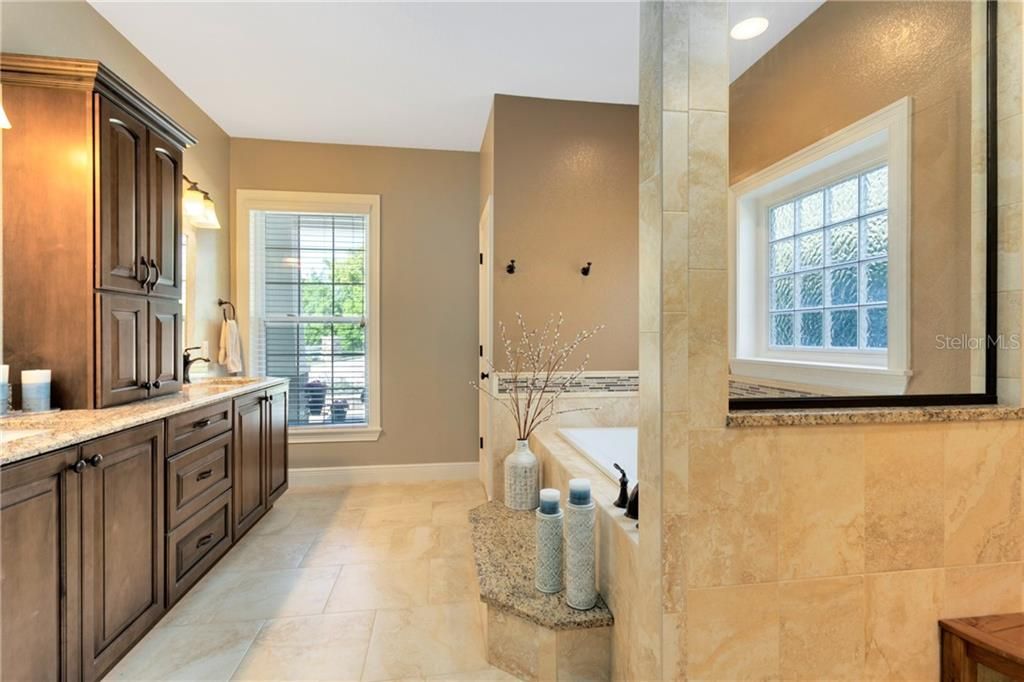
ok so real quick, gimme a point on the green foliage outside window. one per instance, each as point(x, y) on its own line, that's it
point(346, 300)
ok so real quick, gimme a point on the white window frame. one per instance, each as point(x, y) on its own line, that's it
point(880, 138)
point(248, 200)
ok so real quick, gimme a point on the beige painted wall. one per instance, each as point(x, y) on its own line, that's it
point(815, 552)
point(428, 287)
point(843, 63)
point(74, 29)
point(565, 192)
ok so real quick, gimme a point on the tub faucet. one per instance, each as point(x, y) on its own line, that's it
point(633, 508)
point(623, 498)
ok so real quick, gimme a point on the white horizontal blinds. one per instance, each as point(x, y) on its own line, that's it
point(314, 313)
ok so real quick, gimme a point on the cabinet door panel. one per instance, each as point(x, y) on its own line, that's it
point(277, 444)
point(122, 544)
point(122, 200)
point(165, 352)
point(164, 199)
point(124, 349)
point(39, 555)
point(250, 457)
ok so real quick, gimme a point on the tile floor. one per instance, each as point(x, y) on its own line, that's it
point(356, 583)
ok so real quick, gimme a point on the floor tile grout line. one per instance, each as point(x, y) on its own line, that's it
point(369, 640)
point(247, 650)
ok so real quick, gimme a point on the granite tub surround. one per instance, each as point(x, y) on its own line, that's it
point(618, 542)
point(533, 635)
point(61, 429)
point(504, 545)
point(874, 415)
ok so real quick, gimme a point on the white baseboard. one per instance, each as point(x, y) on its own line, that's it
point(383, 473)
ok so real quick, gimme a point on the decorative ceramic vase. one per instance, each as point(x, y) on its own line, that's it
point(522, 479)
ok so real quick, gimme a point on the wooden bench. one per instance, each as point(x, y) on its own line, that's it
point(983, 648)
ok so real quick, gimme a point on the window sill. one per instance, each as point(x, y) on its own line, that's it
point(850, 379)
point(333, 434)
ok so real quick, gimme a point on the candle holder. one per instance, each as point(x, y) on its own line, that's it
point(580, 570)
point(548, 577)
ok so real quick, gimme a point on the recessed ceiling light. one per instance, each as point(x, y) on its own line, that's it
point(749, 28)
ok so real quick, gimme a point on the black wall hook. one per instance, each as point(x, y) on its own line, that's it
point(511, 267)
point(585, 270)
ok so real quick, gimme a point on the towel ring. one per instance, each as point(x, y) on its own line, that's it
point(221, 302)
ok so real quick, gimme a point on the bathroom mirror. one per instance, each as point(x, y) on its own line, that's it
point(862, 156)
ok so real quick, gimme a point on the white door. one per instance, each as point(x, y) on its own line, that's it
point(486, 335)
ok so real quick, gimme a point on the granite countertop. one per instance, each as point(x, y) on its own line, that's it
point(26, 435)
point(873, 415)
point(504, 543)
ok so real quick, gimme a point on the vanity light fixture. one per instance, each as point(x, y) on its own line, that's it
point(199, 208)
point(749, 28)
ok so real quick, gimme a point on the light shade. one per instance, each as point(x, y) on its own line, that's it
point(5, 123)
point(209, 219)
point(192, 204)
point(749, 28)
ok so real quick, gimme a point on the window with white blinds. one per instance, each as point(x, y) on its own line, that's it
point(310, 312)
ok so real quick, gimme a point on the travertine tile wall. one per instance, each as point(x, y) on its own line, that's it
point(796, 552)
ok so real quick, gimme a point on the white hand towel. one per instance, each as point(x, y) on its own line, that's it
point(230, 347)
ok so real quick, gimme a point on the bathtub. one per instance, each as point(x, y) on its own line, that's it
point(605, 446)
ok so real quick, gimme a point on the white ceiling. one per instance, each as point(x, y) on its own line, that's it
point(782, 17)
point(399, 74)
point(394, 74)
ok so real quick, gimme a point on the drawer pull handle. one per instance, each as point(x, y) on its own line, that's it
point(206, 473)
point(205, 540)
point(202, 423)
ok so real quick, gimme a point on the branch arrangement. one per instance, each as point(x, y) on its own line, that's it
point(533, 362)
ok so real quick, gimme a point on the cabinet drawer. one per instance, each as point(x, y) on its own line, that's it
point(192, 428)
point(196, 545)
point(196, 477)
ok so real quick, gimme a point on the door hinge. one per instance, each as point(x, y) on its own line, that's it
point(481, 258)
point(481, 442)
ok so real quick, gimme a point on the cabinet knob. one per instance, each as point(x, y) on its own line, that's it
point(96, 460)
point(145, 385)
point(156, 384)
point(79, 466)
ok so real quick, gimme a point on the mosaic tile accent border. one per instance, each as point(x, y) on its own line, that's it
point(588, 383)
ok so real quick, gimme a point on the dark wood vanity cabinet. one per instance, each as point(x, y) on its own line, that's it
point(250, 493)
point(277, 443)
point(122, 543)
point(92, 185)
point(261, 454)
point(40, 551)
point(97, 541)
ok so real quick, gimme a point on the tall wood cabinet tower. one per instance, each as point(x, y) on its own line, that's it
point(92, 190)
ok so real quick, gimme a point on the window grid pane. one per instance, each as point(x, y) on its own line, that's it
point(836, 241)
point(314, 332)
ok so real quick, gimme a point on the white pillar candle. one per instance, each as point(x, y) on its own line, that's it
point(5, 374)
point(35, 390)
point(549, 500)
point(35, 376)
point(579, 491)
